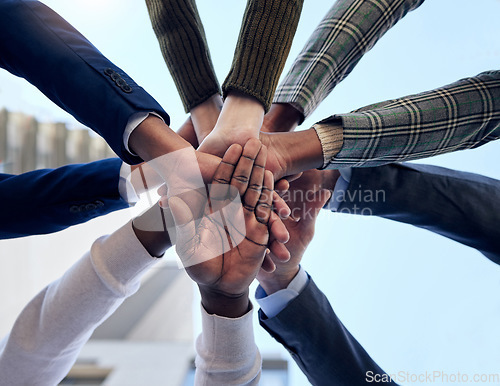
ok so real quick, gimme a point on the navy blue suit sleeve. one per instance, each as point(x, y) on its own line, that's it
point(319, 343)
point(49, 200)
point(464, 207)
point(40, 46)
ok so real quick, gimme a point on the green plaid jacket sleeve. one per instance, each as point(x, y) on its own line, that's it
point(462, 115)
point(346, 33)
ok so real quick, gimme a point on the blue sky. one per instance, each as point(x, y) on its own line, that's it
point(416, 301)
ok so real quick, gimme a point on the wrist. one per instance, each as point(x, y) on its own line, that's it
point(278, 281)
point(205, 115)
point(329, 179)
point(151, 230)
point(242, 111)
point(307, 151)
point(154, 138)
point(282, 117)
point(222, 304)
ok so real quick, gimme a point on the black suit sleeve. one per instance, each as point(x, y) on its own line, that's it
point(49, 200)
point(320, 344)
point(464, 207)
point(39, 45)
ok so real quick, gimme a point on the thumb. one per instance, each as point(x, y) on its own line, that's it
point(324, 196)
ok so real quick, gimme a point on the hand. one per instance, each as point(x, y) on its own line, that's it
point(281, 117)
point(187, 132)
point(226, 275)
point(306, 197)
point(205, 116)
point(240, 120)
point(292, 153)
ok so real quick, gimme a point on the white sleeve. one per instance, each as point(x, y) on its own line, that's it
point(51, 330)
point(226, 353)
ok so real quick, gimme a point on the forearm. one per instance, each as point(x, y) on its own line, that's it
point(349, 30)
point(462, 115)
point(455, 204)
point(153, 139)
point(182, 40)
point(54, 326)
point(205, 116)
point(263, 45)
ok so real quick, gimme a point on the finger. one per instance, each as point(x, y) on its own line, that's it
point(254, 189)
point(282, 186)
point(277, 229)
point(219, 189)
point(263, 209)
point(293, 177)
point(268, 264)
point(279, 251)
point(241, 175)
point(280, 206)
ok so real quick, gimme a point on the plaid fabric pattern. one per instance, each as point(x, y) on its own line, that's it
point(462, 115)
point(346, 33)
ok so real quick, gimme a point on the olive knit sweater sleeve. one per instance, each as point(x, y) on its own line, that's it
point(182, 40)
point(264, 42)
point(263, 45)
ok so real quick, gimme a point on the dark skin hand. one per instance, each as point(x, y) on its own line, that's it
point(223, 278)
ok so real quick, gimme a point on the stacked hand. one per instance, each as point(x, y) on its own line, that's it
point(224, 253)
point(306, 197)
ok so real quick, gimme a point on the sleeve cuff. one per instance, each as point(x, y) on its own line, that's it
point(134, 121)
point(341, 186)
point(331, 138)
point(273, 304)
point(125, 186)
point(229, 338)
point(120, 260)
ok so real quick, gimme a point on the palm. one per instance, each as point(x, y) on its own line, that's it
point(230, 272)
point(224, 249)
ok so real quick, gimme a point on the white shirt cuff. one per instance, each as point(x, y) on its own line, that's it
point(273, 304)
point(341, 186)
point(134, 121)
point(125, 186)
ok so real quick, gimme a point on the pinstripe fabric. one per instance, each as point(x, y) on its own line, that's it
point(346, 33)
point(462, 115)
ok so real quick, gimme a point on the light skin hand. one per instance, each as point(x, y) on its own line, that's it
point(223, 280)
point(205, 116)
point(240, 120)
point(306, 197)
